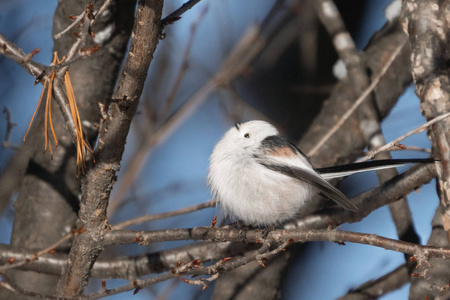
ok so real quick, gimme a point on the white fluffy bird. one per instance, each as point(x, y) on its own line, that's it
point(262, 179)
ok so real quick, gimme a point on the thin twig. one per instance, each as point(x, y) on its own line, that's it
point(75, 22)
point(101, 10)
point(375, 288)
point(10, 50)
point(9, 126)
point(11, 285)
point(165, 215)
point(184, 65)
point(395, 142)
point(358, 101)
point(191, 268)
point(36, 255)
point(176, 15)
point(81, 16)
point(401, 147)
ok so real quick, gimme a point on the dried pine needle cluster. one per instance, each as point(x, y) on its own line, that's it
point(82, 145)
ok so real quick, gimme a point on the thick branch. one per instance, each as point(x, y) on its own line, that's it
point(427, 24)
point(98, 181)
point(375, 288)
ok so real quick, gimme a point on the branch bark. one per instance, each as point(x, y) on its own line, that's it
point(53, 185)
point(98, 181)
point(428, 27)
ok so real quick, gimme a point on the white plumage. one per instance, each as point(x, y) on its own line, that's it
point(262, 179)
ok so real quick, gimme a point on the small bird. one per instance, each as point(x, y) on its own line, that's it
point(263, 180)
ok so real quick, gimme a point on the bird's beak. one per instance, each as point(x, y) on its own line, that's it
point(237, 125)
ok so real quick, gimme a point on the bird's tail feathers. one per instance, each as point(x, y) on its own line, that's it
point(346, 170)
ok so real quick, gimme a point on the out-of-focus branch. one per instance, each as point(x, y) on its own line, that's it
point(176, 15)
point(99, 179)
point(34, 256)
point(378, 287)
point(184, 66)
point(9, 126)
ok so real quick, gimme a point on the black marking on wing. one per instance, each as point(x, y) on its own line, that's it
point(273, 142)
point(321, 185)
point(372, 164)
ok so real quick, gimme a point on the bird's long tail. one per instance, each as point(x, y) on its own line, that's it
point(346, 170)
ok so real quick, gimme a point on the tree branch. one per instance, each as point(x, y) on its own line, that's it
point(126, 267)
point(122, 237)
point(378, 287)
point(176, 15)
point(98, 181)
point(427, 24)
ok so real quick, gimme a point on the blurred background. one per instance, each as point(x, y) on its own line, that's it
point(286, 84)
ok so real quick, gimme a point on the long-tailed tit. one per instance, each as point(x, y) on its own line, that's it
point(262, 179)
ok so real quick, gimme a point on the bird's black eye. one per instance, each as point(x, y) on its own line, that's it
point(247, 135)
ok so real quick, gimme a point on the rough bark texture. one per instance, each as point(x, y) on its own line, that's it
point(48, 198)
point(428, 26)
point(98, 181)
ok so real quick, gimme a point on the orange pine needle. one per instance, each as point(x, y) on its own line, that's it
point(37, 108)
point(82, 145)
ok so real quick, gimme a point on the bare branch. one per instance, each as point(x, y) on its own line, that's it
point(395, 142)
point(9, 126)
point(176, 15)
point(99, 179)
point(10, 50)
point(381, 286)
point(127, 267)
point(184, 65)
point(17, 263)
point(121, 237)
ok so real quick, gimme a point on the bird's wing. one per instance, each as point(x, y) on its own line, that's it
point(320, 184)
